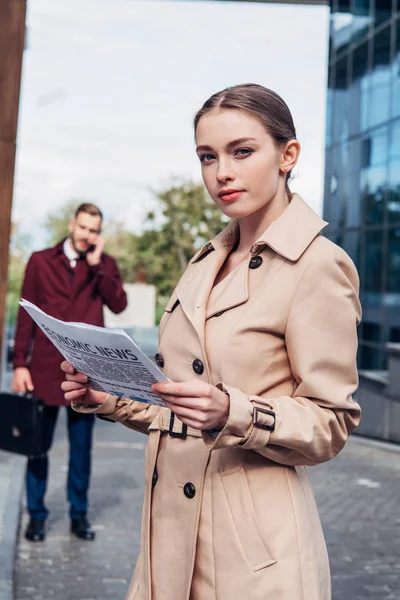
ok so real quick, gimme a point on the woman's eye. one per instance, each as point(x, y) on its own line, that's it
point(243, 152)
point(205, 158)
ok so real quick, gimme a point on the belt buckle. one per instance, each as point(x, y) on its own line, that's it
point(175, 434)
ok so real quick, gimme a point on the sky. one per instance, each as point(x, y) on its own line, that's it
point(109, 91)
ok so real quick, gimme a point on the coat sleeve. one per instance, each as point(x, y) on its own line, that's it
point(25, 327)
point(109, 284)
point(312, 425)
point(132, 414)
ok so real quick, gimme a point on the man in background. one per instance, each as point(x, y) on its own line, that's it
point(71, 282)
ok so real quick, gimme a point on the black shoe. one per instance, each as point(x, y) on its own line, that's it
point(35, 531)
point(82, 529)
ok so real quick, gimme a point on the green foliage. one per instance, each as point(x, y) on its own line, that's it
point(56, 224)
point(19, 254)
point(185, 220)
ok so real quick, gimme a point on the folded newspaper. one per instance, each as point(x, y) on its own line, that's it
point(109, 357)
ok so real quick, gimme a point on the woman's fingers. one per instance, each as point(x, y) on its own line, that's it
point(77, 377)
point(67, 367)
point(72, 396)
point(68, 386)
point(193, 418)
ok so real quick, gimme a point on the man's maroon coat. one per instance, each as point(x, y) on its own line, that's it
point(70, 294)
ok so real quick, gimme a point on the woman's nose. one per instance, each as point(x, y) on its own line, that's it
point(224, 172)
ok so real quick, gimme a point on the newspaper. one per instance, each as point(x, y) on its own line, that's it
point(109, 357)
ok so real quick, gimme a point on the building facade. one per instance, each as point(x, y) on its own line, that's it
point(362, 172)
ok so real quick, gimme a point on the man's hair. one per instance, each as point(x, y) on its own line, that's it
point(90, 209)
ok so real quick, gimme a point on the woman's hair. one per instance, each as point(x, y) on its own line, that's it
point(264, 104)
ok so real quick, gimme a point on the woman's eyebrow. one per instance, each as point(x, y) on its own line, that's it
point(229, 145)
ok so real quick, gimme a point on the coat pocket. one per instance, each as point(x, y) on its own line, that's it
point(238, 496)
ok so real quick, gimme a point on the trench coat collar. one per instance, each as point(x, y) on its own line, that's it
point(290, 235)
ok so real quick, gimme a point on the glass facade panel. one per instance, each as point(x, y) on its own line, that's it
point(362, 186)
point(362, 18)
point(393, 199)
point(373, 267)
point(380, 78)
point(351, 243)
point(383, 10)
point(396, 73)
point(340, 102)
point(393, 262)
point(359, 88)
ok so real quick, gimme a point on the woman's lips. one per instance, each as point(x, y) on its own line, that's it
point(230, 196)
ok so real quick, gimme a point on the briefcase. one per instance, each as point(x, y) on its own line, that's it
point(21, 423)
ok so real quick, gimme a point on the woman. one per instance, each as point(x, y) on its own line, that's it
point(259, 343)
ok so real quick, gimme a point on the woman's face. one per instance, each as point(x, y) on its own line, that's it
point(240, 163)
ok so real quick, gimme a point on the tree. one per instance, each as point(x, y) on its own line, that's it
point(56, 224)
point(19, 253)
point(184, 220)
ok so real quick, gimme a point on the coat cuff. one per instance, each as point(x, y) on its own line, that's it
point(20, 362)
point(250, 423)
point(104, 409)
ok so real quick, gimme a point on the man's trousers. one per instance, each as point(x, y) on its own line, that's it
point(80, 429)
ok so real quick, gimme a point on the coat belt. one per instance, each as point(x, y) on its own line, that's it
point(173, 426)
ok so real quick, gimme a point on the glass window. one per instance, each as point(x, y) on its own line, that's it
point(353, 207)
point(393, 261)
point(327, 184)
point(393, 199)
point(338, 186)
point(373, 267)
point(341, 25)
point(395, 140)
point(383, 10)
point(351, 243)
point(374, 194)
point(340, 102)
point(329, 105)
point(374, 153)
point(359, 89)
point(362, 18)
point(379, 147)
point(371, 358)
point(371, 331)
point(379, 103)
point(396, 74)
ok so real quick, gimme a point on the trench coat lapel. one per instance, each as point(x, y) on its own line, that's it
point(193, 292)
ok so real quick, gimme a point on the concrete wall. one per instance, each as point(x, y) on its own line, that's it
point(141, 309)
point(379, 397)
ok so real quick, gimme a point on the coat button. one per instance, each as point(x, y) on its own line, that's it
point(154, 478)
point(255, 262)
point(189, 490)
point(159, 360)
point(198, 366)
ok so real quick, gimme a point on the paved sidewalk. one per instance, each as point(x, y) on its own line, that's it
point(358, 494)
point(11, 480)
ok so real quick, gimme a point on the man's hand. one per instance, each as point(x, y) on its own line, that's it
point(22, 381)
point(198, 404)
point(76, 387)
point(93, 258)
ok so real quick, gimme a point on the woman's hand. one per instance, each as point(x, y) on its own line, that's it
point(198, 404)
point(76, 387)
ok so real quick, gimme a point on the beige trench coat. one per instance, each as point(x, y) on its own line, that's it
point(287, 345)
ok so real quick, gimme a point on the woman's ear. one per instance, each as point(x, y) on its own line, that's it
point(290, 156)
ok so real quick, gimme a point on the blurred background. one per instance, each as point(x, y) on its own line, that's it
point(104, 107)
